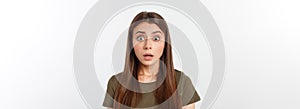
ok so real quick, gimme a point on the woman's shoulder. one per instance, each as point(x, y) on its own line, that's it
point(180, 75)
point(186, 88)
point(112, 82)
point(114, 79)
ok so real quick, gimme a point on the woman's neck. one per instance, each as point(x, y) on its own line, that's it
point(148, 73)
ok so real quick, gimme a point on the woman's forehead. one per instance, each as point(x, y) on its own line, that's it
point(146, 27)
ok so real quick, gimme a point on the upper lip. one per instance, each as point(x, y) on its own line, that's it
point(147, 54)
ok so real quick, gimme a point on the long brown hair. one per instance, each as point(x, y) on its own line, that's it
point(167, 90)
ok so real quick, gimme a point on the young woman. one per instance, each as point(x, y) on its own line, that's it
point(149, 79)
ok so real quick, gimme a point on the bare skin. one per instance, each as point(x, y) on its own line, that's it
point(148, 39)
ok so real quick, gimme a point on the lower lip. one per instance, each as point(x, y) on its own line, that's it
point(148, 58)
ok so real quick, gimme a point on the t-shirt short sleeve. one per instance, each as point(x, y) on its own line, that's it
point(187, 91)
point(110, 91)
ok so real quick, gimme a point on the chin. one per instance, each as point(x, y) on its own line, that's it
point(148, 63)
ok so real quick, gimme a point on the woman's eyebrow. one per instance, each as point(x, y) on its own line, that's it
point(145, 32)
point(140, 32)
point(156, 32)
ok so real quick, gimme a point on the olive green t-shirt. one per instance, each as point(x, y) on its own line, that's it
point(185, 89)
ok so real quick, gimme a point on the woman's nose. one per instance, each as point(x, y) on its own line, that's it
point(147, 44)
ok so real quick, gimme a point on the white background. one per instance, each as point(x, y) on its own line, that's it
point(261, 40)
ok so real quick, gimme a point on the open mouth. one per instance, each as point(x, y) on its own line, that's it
point(148, 56)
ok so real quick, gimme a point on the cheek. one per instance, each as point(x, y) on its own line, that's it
point(160, 48)
point(137, 49)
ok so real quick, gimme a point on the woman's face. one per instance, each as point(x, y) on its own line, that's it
point(148, 43)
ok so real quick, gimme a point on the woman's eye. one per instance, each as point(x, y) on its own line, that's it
point(140, 38)
point(156, 38)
